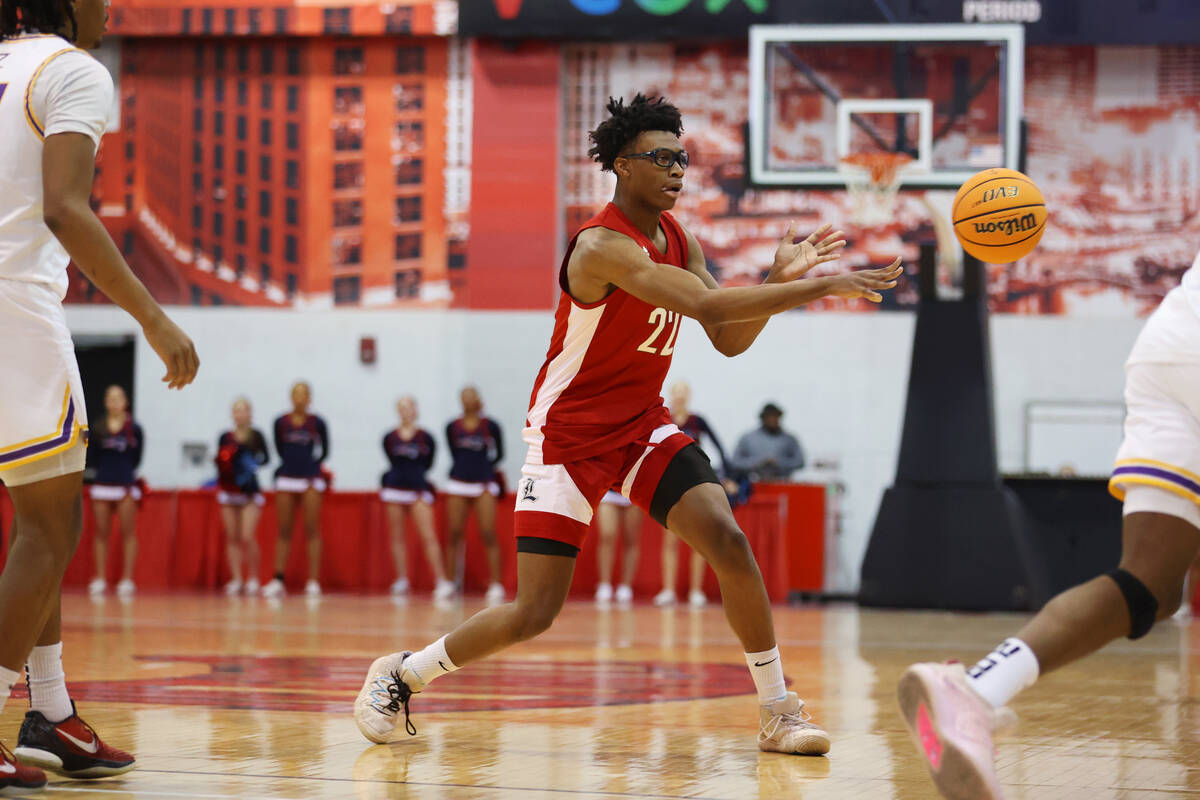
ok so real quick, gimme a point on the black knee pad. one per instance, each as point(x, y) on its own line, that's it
point(1143, 606)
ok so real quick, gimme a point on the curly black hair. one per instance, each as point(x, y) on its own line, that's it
point(625, 122)
point(43, 16)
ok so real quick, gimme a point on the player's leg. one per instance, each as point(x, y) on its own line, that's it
point(127, 520)
point(685, 496)
point(696, 598)
point(102, 513)
point(952, 713)
point(550, 526)
point(670, 569)
point(607, 522)
point(395, 521)
point(632, 535)
point(485, 515)
point(458, 508)
point(542, 584)
point(422, 514)
point(53, 736)
point(312, 536)
point(250, 514)
point(47, 524)
point(231, 520)
point(285, 513)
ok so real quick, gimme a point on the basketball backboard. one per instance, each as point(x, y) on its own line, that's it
point(948, 96)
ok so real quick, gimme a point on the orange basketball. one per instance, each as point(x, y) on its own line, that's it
point(999, 215)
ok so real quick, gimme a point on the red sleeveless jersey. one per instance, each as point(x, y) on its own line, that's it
point(600, 386)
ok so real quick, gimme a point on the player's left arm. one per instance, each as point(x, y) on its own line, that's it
point(792, 260)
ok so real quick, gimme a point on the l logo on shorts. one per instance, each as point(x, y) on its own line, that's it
point(527, 491)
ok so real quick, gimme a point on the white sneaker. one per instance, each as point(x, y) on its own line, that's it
point(400, 586)
point(697, 599)
point(97, 587)
point(604, 593)
point(444, 590)
point(274, 588)
point(953, 729)
point(495, 594)
point(234, 587)
point(312, 589)
point(126, 588)
point(252, 586)
point(785, 727)
point(384, 693)
point(624, 594)
point(665, 598)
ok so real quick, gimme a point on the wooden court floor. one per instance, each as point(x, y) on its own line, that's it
point(245, 698)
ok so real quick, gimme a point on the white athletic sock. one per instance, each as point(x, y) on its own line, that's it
point(48, 683)
point(432, 662)
point(8, 679)
point(766, 669)
point(1004, 672)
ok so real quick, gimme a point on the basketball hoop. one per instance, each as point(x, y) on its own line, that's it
point(873, 179)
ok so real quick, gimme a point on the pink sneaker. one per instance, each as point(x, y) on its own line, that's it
point(953, 728)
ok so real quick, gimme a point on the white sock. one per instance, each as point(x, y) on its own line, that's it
point(8, 679)
point(48, 683)
point(766, 669)
point(432, 662)
point(1004, 672)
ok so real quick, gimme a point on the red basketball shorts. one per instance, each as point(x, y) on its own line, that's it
point(556, 501)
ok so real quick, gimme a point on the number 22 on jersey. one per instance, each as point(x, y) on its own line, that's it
point(666, 320)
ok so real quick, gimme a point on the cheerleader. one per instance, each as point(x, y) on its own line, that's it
point(240, 453)
point(114, 453)
point(409, 451)
point(475, 448)
point(302, 442)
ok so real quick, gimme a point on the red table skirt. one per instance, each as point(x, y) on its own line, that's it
point(181, 546)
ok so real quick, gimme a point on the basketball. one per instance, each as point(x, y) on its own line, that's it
point(999, 215)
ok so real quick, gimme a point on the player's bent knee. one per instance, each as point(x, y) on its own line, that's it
point(730, 549)
point(534, 619)
point(1143, 605)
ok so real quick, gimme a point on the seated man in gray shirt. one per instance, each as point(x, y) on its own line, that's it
point(768, 453)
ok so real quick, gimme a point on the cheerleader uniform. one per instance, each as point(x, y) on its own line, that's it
point(405, 482)
point(302, 450)
point(114, 459)
point(475, 454)
point(237, 468)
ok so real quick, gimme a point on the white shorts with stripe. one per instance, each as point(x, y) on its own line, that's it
point(1161, 448)
point(42, 412)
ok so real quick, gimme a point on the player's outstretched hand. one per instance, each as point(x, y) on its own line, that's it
point(795, 258)
point(175, 349)
point(867, 283)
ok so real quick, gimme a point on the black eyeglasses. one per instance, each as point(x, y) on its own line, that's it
point(664, 157)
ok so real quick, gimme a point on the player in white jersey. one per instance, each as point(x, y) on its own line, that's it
point(54, 105)
point(953, 712)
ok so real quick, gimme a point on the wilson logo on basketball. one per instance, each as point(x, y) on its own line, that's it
point(1025, 222)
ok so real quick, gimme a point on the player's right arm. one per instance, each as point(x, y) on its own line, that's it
point(604, 257)
point(72, 96)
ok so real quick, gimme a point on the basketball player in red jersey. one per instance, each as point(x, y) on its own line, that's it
point(597, 421)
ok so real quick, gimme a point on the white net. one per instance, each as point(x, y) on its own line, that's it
point(873, 180)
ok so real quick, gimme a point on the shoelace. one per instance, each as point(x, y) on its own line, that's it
point(798, 718)
point(7, 755)
point(398, 695)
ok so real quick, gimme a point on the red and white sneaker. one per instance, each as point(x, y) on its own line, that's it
point(16, 776)
point(953, 727)
point(71, 748)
